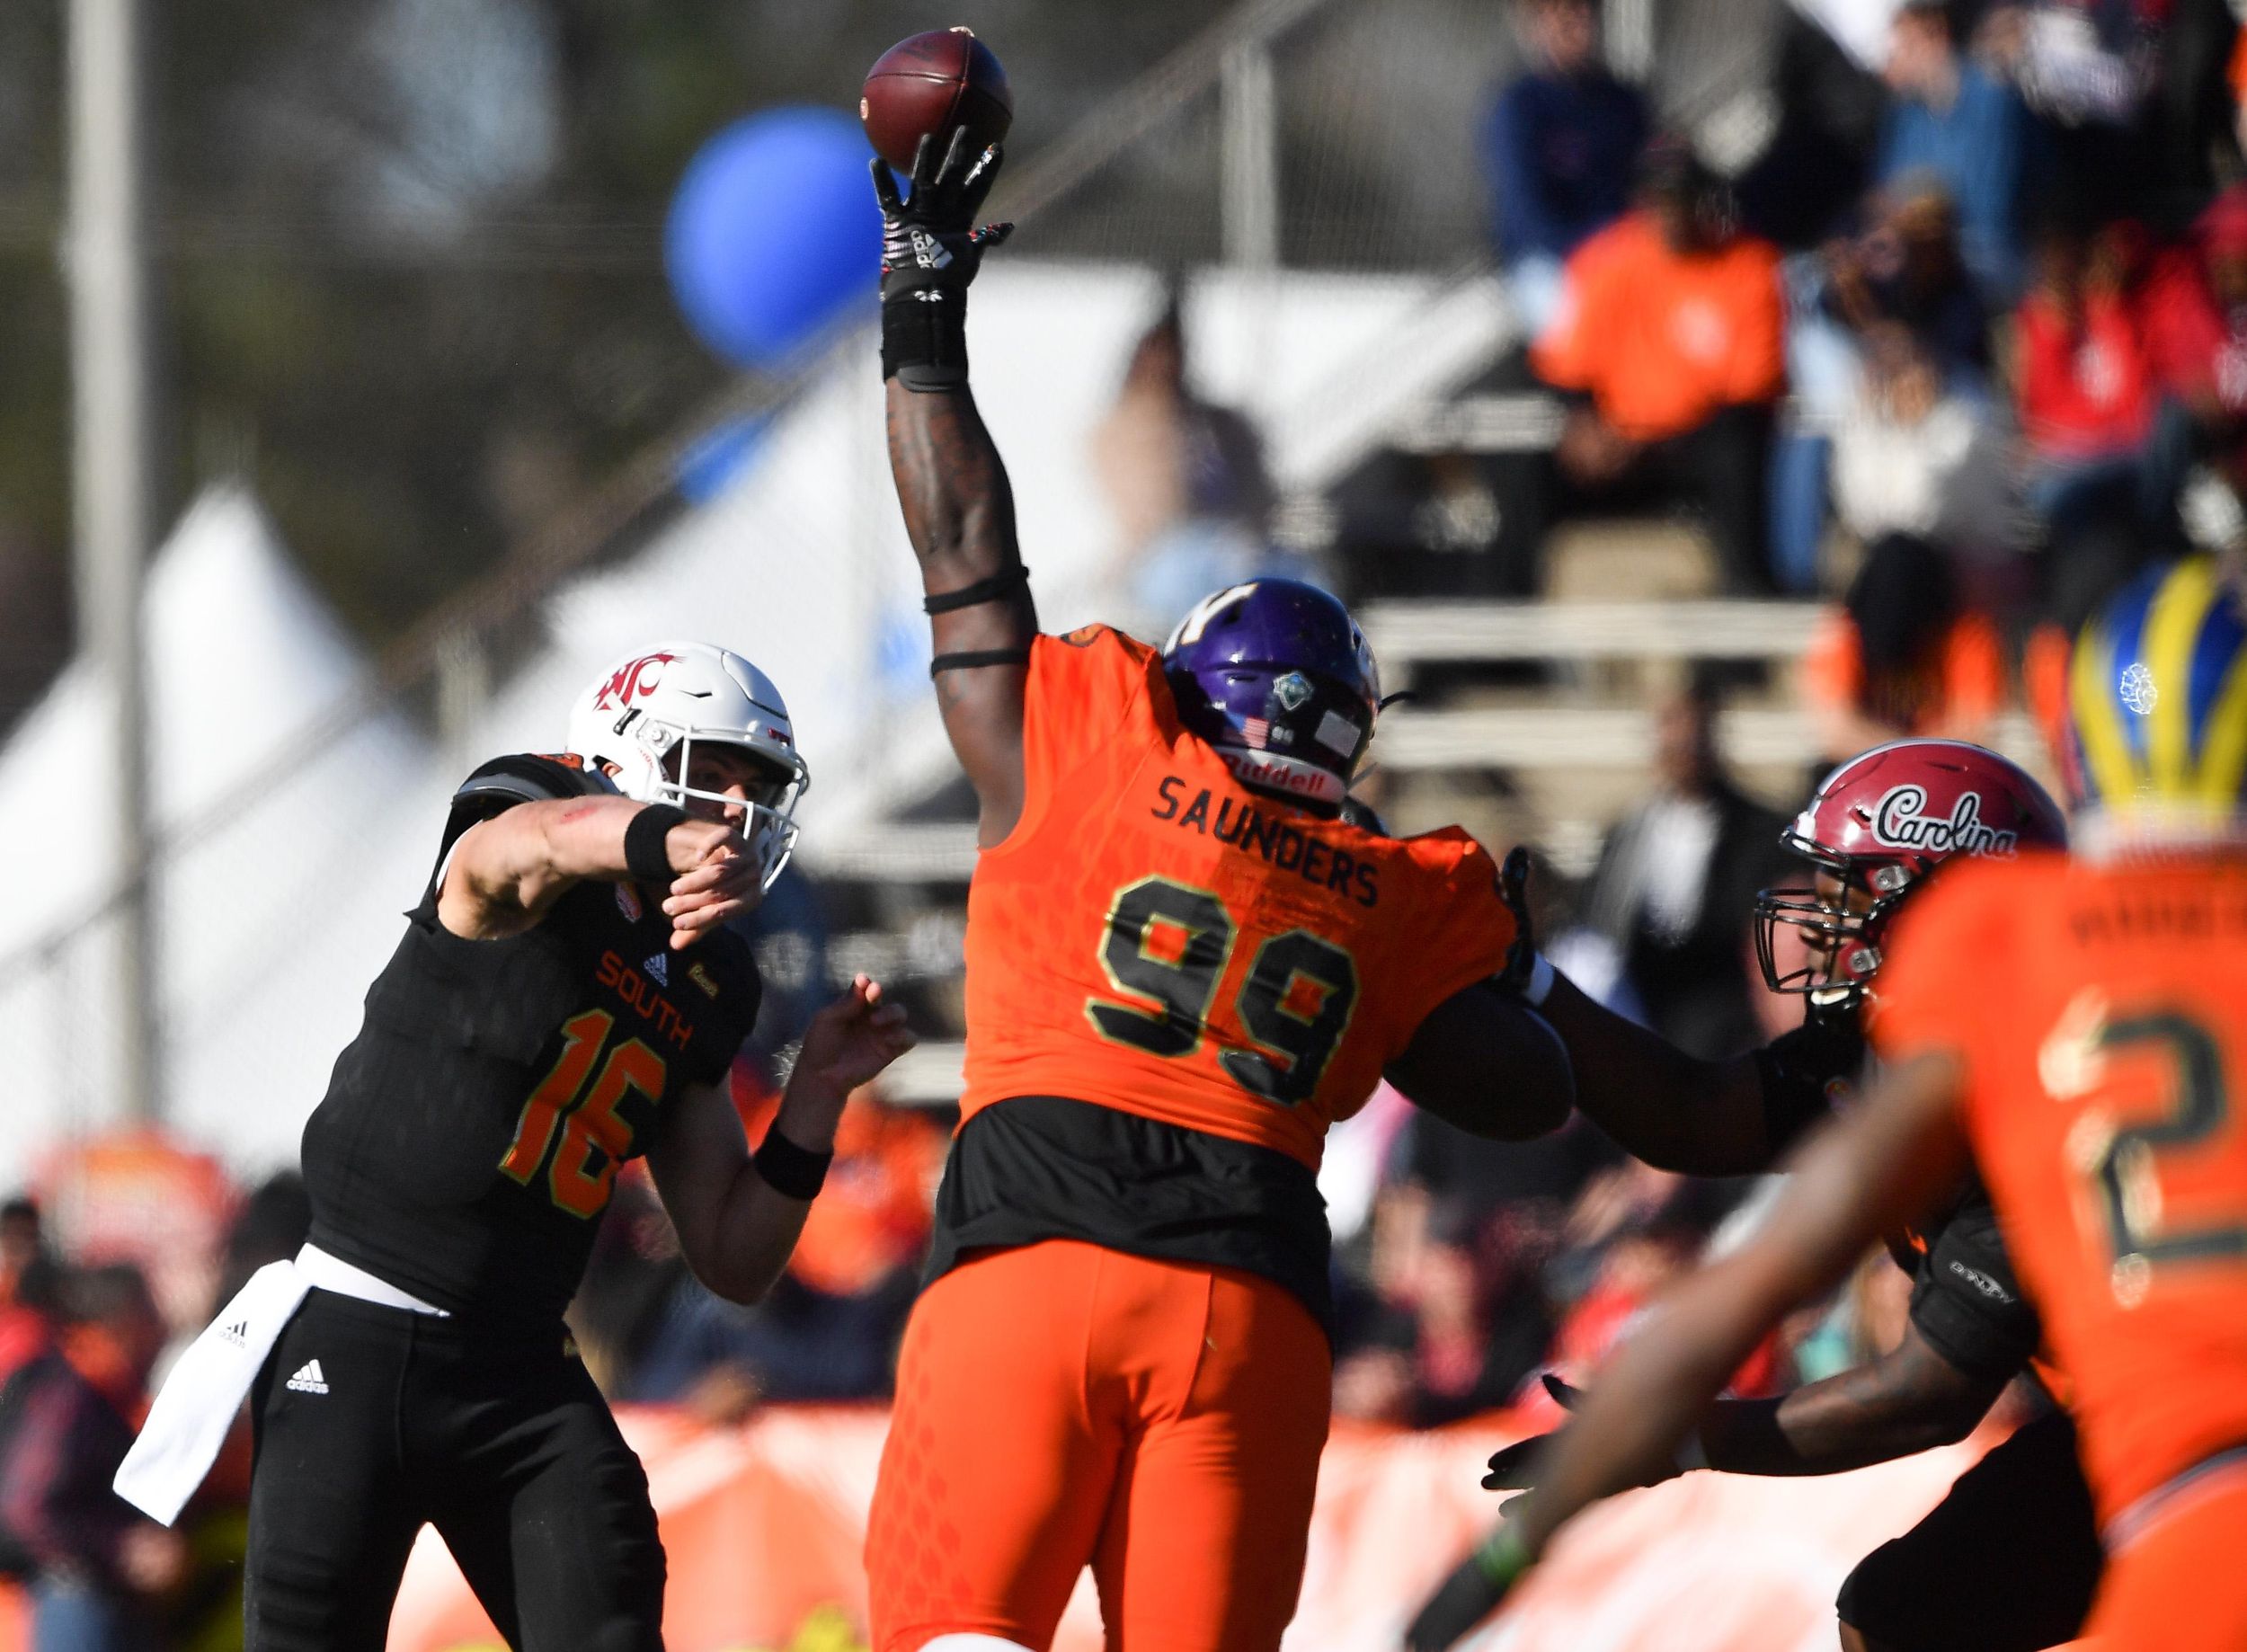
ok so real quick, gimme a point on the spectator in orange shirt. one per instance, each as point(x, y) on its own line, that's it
point(1669, 347)
point(1903, 656)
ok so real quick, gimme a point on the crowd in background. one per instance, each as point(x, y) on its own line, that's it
point(1962, 340)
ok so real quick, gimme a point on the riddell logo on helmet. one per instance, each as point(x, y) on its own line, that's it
point(1898, 822)
point(633, 681)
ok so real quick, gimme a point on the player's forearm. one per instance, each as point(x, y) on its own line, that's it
point(951, 486)
point(1877, 1413)
point(754, 1236)
point(584, 838)
point(1672, 1110)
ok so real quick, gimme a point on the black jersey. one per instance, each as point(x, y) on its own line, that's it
point(472, 1131)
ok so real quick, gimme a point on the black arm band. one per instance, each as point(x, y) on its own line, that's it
point(790, 1170)
point(644, 856)
point(1793, 1101)
point(984, 656)
point(996, 589)
point(924, 338)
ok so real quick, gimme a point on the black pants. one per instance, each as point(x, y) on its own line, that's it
point(396, 1418)
point(2008, 1562)
point(1718, 470)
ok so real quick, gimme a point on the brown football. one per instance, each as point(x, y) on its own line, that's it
point(932, 83)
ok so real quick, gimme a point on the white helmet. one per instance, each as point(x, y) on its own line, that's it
point(661, 701)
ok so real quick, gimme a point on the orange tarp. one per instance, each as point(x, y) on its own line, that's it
point(762, 1525)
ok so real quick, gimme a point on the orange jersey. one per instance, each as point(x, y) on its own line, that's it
point(2100, 1013)
point(1155, 938)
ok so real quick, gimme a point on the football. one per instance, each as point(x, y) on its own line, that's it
point(930, 83)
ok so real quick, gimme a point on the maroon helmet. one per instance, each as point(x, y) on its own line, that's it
point(1879, 823)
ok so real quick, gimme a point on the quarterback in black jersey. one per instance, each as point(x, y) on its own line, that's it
point(2008, 1562)
point(567, 997)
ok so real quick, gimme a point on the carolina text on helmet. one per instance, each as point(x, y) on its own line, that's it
point(1898, 823)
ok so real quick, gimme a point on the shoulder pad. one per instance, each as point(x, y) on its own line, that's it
point(506, 781)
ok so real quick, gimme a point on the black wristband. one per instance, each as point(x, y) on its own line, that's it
point(974, 658)
point(924, 338)
point(644, 854)
point(998, 588)
point(790, 1170)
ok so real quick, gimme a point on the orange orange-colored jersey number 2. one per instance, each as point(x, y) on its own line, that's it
point(1168, 942)
point(584, 1114)
point(2123, 1164)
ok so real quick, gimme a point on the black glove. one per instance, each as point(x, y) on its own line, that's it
point(1805, 1072)
point(1513, 1468)
point(932, 249)
point(1472, 1592)
point(1520, 958)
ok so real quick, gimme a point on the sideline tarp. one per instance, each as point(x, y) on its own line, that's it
point(763, 1525)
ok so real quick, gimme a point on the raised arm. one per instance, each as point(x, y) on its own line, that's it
point(953, 488)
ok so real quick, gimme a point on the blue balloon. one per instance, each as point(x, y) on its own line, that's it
point(773, 233)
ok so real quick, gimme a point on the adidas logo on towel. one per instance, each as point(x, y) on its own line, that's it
point(660, 968)
point(238, 1333)
point(308, 1380)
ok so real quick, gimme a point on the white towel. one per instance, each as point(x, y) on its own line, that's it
point(188, 1421)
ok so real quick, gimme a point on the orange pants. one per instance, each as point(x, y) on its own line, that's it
point(2178, 1586)
point(1061, 1404)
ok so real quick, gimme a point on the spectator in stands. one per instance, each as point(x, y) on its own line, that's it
point(95, 1564)
point(1902, 655)
point(1460, 1317)
point(1952, 122)
point(1909, 270)
point(1677, 879)
point(1560, 145)
point(31, 1284)
point(2131, 97)
point(1913, 454)
point(2193, 312)
point(1186, 480)
point(2101, 446)
point(1825, 84)
point(1669, 348)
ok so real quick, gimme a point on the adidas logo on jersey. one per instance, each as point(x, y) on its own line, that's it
point(659, 969)
point(308, 1379)
point(238, 1333)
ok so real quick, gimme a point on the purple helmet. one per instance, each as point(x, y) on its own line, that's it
point(1276, 675)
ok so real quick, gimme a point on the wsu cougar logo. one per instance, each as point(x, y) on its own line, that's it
point(638, 677)
point(1898, 824)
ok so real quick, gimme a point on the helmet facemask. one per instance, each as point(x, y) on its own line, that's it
point(768, 818)
point(1845, 917)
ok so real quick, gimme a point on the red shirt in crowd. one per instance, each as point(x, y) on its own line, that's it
point(2087, 389)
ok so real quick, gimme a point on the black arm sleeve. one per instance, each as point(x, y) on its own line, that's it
point(1966, 1301)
